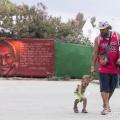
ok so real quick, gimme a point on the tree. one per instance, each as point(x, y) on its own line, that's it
point(6, 3)
point(93, 19)
point(24, 21)
point(80, 20)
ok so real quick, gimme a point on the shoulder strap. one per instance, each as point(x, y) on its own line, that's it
point(118, 38)
point(108, 45)
point(109, 38)
point(107, 48)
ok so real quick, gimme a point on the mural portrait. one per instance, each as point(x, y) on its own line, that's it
point(8, 63)
point(26, 57)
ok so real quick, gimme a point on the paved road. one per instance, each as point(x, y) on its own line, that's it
point(51, 100)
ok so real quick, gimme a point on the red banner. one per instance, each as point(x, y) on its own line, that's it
point(27, 57)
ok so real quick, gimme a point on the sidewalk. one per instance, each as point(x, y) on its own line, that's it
point(51, 100)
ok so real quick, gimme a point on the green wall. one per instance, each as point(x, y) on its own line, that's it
point(73, 60)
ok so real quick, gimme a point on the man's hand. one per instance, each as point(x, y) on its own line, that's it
point(93, 71)
point(118, 62)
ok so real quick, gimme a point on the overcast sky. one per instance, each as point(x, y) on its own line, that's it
point(68, 9)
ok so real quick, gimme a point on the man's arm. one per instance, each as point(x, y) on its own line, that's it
point(119, 43)
point(118, 60)
point(119, 39)
point(94, 56)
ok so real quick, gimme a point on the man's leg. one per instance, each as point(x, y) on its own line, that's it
point(109, 84)
point(104, 106)
point(113, 84)
point(104, 89)
point(105, 98)
point(110, 95)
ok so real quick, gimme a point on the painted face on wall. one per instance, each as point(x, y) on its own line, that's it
point(6, 60)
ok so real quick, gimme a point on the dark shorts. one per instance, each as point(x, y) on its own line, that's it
point(108, 82)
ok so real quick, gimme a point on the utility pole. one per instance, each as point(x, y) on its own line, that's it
point(113, 24)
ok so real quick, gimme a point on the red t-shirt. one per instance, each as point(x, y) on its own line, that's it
point(112, 54)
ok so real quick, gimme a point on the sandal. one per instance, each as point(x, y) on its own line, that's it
point(84, 111)
point(104, 112)
point(109, 110)
point(75, 109)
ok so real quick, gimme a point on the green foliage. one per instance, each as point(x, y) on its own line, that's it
point(77, 39)
point(53, 78)
point(34, 22)
point(57, 78)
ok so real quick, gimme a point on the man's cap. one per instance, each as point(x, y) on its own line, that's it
point(103, 25)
